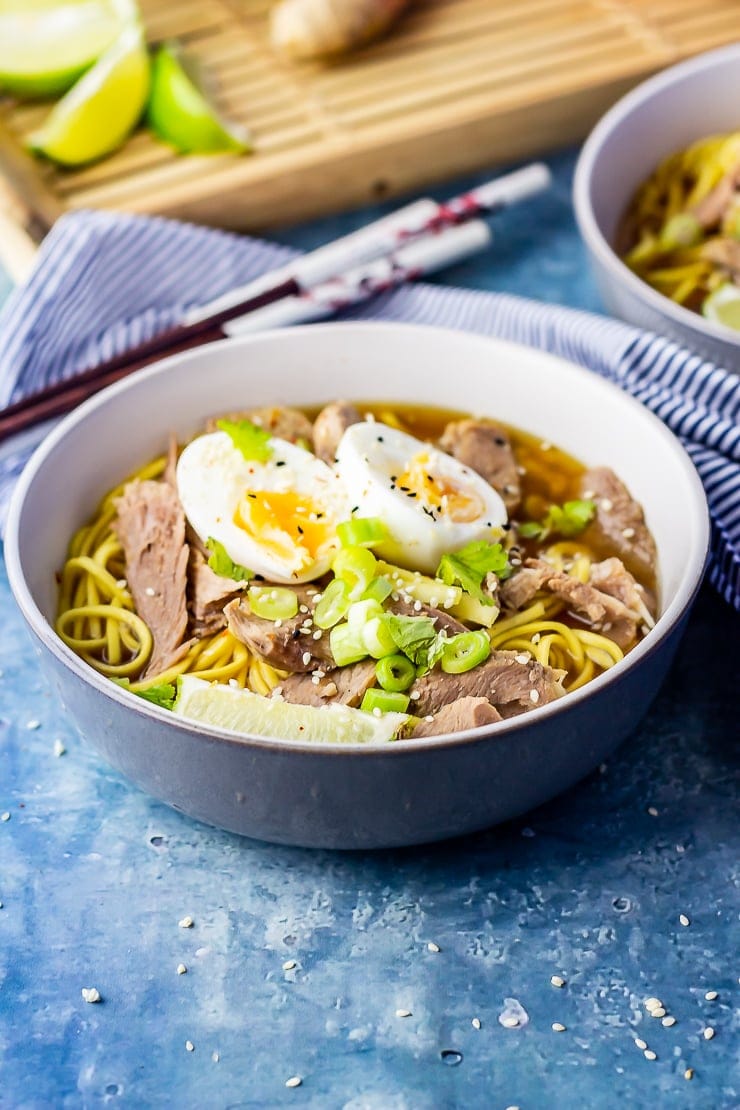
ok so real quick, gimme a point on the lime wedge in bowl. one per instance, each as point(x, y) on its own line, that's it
point(180, 112)
point(723, 306)
point(229, 707)
point(45, 45)
point(100, 111)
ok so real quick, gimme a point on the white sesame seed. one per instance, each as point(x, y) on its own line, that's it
point(278, 623)
point(652, 1003)
point(181, 969)
point(628, 533)
point(432, 947)
point(606, 505)
point(294, 1081)
point(289, 965)
point(649, 1054)
point(317, 634)
point(59, 748)
point(668, 1021)
point(377, 712)
point(306, 657)
point(708, 1033)
point(534, 696)
point(403, 1013)
point(710, 996)
point(557, 981)
point(91, 994)
point(689, 1073)
point(417, 606)
point(315, 679)
point(475, 1022)
point(557, 1027)
point(415, 695)
point(33, 725)
point(684, 920)
point(5, 816)
point(215, 1057)
point(522, 658)
point(185, 923)
point(189, 1046)
point(652, 811)
point(303, 609)
point(658, 1012)
point(429, 718)
point(510, 1022)
point(639, 1043)
point(150, 591)
point(536, 637)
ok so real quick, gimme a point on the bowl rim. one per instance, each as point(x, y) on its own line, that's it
point(582, 181)
point(502, 730)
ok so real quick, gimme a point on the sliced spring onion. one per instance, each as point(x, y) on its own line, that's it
point(361, 532)
point(379, 589)
point(395, 672)
point(273, 603)
point(355, 566)
point(465, 651)
point(430, 591)
point(334, 603)
point(387, 701)
point(377, 638)
point(360, 612)
point(347, 645)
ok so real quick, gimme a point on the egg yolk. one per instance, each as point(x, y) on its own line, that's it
point(284, 523)
point(437, 493)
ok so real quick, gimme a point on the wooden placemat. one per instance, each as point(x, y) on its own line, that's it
point(457, 86)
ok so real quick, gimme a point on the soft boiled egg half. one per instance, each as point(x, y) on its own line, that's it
point(429, 502)
point(278, 518)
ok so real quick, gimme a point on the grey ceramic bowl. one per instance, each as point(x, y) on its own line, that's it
point(667, 113)
point(352, 796)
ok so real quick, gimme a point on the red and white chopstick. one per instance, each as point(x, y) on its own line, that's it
point(408, 263)
point(381, 238)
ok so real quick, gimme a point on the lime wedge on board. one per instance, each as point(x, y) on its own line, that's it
point(242, 711)
point(180, 113)
point(723, 306)
point(101, 109)
point(45, 45)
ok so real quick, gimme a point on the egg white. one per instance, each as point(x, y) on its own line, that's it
point(213, 478)
point(371, 456)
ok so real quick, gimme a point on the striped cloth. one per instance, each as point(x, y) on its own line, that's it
point(105, 282)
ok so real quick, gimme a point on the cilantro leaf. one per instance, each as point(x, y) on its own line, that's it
point(566, 520)
point(161, 693)
point(220, 563)
point(417, 638)
point(470, 565)
point(251, 440)
point(413, 636)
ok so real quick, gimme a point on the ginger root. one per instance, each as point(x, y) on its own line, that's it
point(321, 28)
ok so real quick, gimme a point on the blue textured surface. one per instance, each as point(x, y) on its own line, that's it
point(95, 876)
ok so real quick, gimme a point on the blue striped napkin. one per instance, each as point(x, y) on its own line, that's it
point(105, 282)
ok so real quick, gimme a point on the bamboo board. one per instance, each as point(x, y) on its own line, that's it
point(459, 85)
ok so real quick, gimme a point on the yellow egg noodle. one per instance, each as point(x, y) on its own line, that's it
point(96, 618)
point(683, 272)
